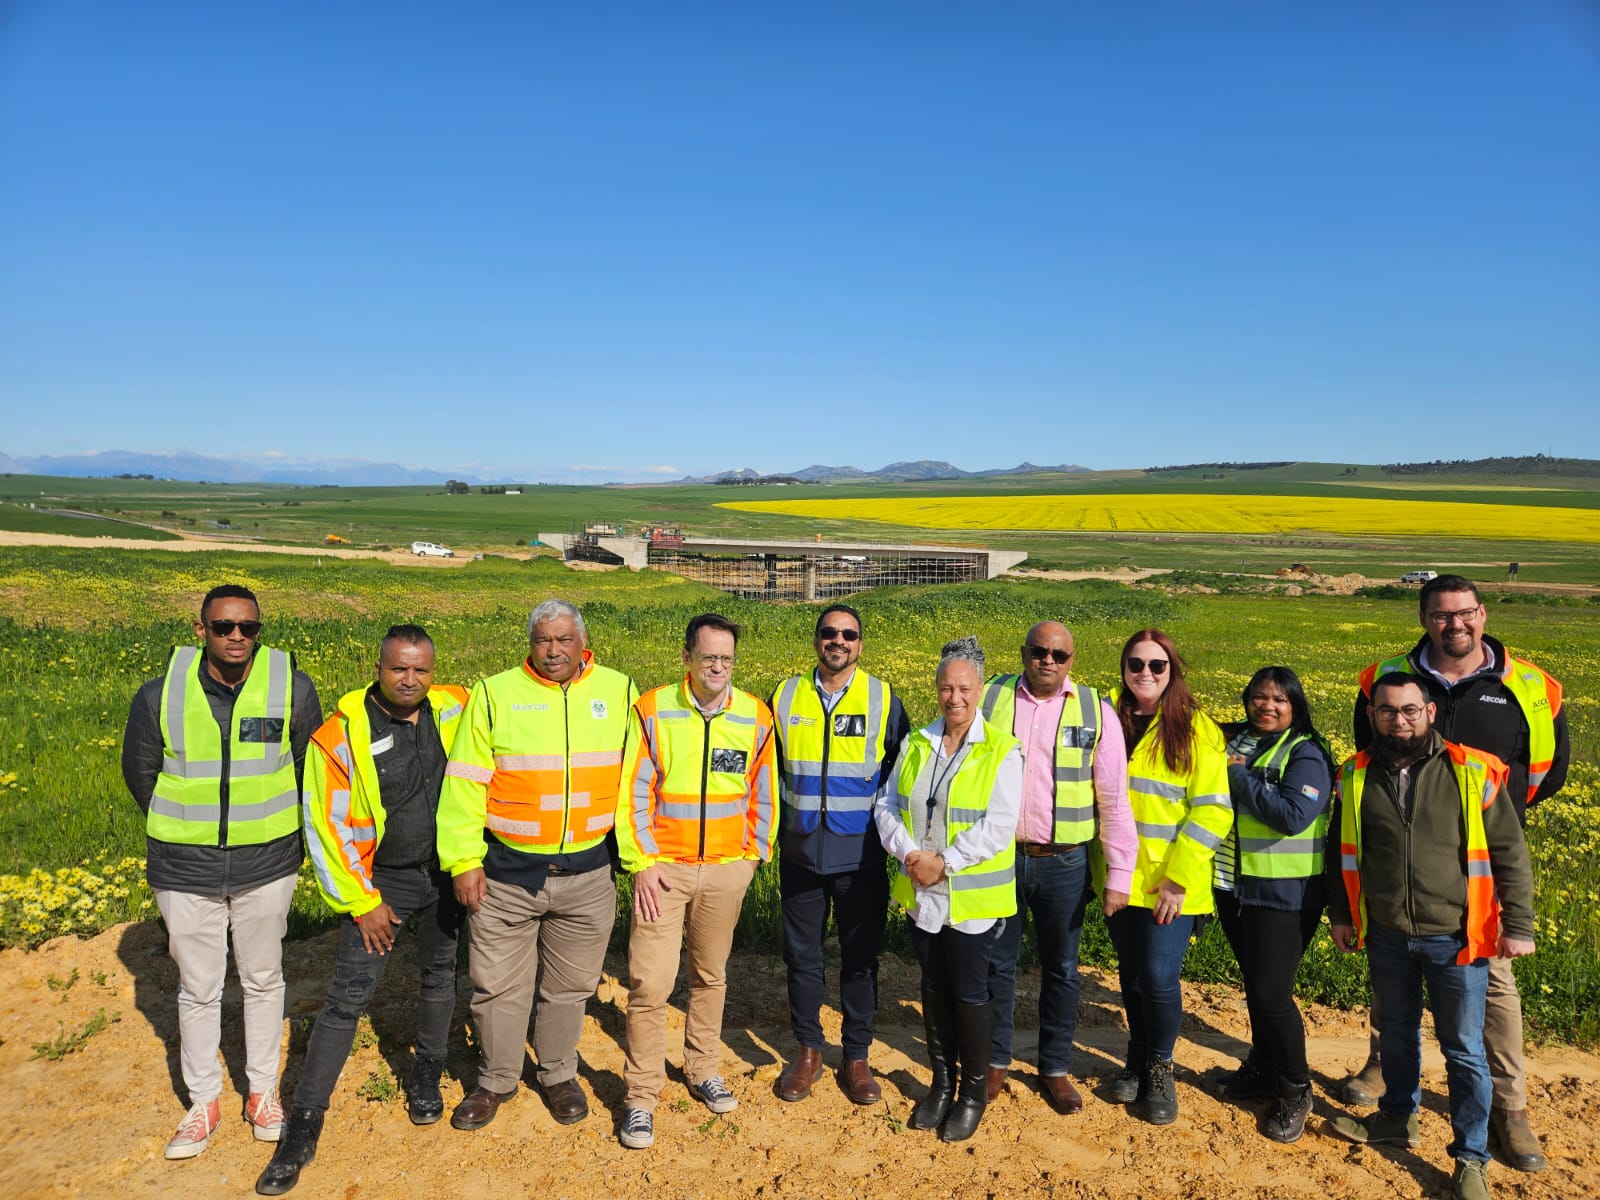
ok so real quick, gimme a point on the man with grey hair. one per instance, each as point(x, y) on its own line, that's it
point(530, 797)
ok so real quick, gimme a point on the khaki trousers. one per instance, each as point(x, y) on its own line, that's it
point(700, 910)
point(549, 946)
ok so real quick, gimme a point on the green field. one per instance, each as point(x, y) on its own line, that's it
point(81, 629)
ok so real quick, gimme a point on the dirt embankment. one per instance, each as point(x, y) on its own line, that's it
point(93, 1124)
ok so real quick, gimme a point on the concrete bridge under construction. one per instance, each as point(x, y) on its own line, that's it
point(761, 569)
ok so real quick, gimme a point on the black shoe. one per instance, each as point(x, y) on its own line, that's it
point(975, 1023)
point(424, 1103)
point(1286, 1119)
point(939, 1023)
point(296, 1148)
point(1250, 1082)
point(1160, 1098)
point(1128, 1087)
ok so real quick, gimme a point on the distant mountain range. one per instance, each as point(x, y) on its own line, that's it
point(897, 472)
point(191, 468)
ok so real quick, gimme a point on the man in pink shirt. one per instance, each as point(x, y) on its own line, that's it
point(1074, 789)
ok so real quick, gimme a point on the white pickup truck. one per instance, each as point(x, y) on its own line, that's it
point(431, 550)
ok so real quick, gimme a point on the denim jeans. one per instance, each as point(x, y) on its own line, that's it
point(1149, 962)
point(1055, 890)
point(860, 903)
point(1399, 966)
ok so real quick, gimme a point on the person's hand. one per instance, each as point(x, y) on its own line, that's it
point(470, 888)
point(1344, 937)
point(377, 929)
point(648, 885)
point(1113, 902)
point(925, 867)
point(1511, 947)
point(1169, 901)
point(1236, 760)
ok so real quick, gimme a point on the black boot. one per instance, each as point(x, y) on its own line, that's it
point(1128, 1087)
point(1160, 1097)
point(296, 1148)
point(424, 1103)
point(1286, 1119)
point(976, 1025)
point(939, 1021)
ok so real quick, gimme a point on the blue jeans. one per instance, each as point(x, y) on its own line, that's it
point(1056, 890)
point(1149, 962)
point(1399, 965)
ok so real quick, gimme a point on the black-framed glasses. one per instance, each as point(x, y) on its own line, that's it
point(1158, 666)
point(1040, 653)
point(1464, 615)
point(827, 633)
point(222, 628)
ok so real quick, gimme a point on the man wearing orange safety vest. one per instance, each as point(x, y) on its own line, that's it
point(530, 797)
point(1432, 878)
point(697, 816)
point(1506, 707)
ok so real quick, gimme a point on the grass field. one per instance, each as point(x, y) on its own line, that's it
point(80, 630)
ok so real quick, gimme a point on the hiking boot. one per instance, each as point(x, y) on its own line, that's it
point(638, 1129)
point(195, 1131)
point(1128, 1087)
point(1470, 1181)
point(1286, 1119)
point(1380, 1129)
point(296, 1148)
point(805, 1070)
point(1510, 1134)
point(265, 1115)
point(424, 1101)
point(714, 1094)
point(1161, 1097)
point(1365, 1088)
point(1250, 1083)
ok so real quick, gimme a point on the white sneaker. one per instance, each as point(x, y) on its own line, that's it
point(265, 1115)
point(714, 1094)
point(638, 1129)
point(198, 1125)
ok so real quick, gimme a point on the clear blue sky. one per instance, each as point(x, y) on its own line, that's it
point(590, 241)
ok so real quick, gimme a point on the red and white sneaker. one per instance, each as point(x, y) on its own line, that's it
point(195, 1131)
point(265, 1115)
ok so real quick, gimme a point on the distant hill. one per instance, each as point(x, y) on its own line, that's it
point(1522, 464)
point(897, 472)
point(191, 468)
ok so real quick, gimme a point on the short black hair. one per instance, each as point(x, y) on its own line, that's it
point(1398, 679)
point(411, 635)
point(1446, 583)
point(837, 608)
point(1286, 681)
point(229, 591)
point(709, 621)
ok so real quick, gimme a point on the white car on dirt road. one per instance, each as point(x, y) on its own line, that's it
point(431, 550)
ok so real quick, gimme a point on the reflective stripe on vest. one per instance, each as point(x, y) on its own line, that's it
point(831, 761)
point(263, 798)
point(1077, 736)
point(1266, 852)
point(1478, 777)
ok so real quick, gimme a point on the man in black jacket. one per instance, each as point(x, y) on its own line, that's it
point(213, 754)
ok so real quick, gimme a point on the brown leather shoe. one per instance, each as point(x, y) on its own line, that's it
point(1510, 1133)
point(806, 1069)
point(1060, 1093)
point(568, 1104)
point(994, 1082)
point(856, 1081)
point(479, 1107)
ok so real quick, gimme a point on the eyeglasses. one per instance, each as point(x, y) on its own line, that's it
point(1464, 615)
point(1040, 653)
point(714, 660)
point(1411, 712)
point(1158, 666)
point(827, 633)
point(224, 628)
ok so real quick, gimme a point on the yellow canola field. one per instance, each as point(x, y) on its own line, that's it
point(1170, 513)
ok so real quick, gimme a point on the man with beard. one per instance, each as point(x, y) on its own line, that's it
point(1433, 880)
point(1509, 708)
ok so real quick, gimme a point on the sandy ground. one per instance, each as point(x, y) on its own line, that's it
point(194, 542)
point(93, 1124)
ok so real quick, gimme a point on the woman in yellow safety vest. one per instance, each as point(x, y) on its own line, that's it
point(949, 817)
point(1178, 789)
point(1270, 890)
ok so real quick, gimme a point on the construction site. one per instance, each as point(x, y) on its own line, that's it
point(762, 569)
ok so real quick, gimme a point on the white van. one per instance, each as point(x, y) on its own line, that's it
point(431, 550)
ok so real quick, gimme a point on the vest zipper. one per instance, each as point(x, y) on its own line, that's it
point(827, 747)
point(566, 769)
point(705, 775)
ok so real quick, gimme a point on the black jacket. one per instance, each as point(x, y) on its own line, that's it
point(1285, 803)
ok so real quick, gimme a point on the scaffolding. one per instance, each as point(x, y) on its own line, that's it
point(791, 575)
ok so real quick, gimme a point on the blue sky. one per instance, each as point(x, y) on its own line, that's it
point(628, 241)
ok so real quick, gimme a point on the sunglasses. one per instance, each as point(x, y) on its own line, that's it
point(224, 628)
point(1040, 653)
point(1158, 666)
point(827, 633)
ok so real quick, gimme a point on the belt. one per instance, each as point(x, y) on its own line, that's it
point(1047, 849)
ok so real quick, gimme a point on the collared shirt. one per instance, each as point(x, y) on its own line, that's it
point(410, 761)
point(829, 699)
point(1490, 666)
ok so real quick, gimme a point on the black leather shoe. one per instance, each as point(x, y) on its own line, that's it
point(296, 1148)
point(424, 1102)
point(479, 1107)
point(568, 1105)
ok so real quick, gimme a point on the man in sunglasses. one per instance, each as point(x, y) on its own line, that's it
point(1507, 707)
point(1074, 789)
point(213, 755)
point(839, 731)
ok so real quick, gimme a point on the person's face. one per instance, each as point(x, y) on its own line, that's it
point(838, 642)
point(1401, 719)
point(1046, 657)
point(1269, 709)
point(229, 626)
point(1454, 624)
point(405, 672)
point(958, 692)
point(556, 648)
point(1149, 681)
point(710, 663)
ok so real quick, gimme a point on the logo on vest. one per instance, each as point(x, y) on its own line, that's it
point(797, 719)
point(530, 708)
point(597, 709)
point(1493, 699)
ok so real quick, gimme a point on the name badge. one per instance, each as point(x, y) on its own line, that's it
point(849, 725)
point(728, 762)
point(261, 729)
point(383, 744)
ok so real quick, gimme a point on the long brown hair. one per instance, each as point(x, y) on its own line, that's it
point(1174, 711)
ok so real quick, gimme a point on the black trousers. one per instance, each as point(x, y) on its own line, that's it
point(860, 904)
point(1269, 944)
point(956, 963)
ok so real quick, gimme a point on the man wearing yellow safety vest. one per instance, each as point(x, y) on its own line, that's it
point(696, 817)
point(530, 797)
point(839, 730)
point(1507, 707)
point(213, 753)
point(370, 802)
point(1433, 880)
